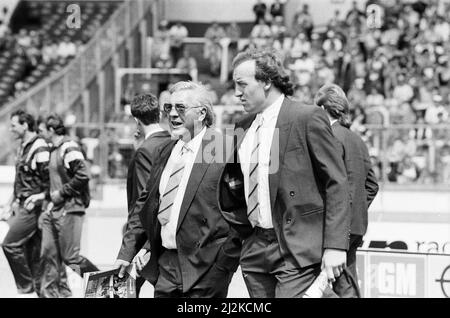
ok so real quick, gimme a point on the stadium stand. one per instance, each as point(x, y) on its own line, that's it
point(38, 41)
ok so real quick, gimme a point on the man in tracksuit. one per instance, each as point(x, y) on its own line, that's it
point(62, 224)
point(21, 244)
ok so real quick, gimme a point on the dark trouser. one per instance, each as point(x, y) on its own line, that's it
point(346, 285)
point(214, 284)
point(61, 238)
point(267, 274)
point(21, 247)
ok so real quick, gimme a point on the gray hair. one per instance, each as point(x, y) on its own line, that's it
point(202, 96)
point(335, 102)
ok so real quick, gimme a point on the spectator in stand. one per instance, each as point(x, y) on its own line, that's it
point(335, 21)
point(260, 11)
point(188, 64)
point(300, 46)
point(212, 51)
point(303, 22)
point(161, 44)
point(355, 17)
point(279, 32)
point(408, 171)
point(261, 33)
point(277, 9)
point(66, 49)
point(403, 92)
point(375, 99)
point(49, 52)
point(177, 33)
point(303, 69)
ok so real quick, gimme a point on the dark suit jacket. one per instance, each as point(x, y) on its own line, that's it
point(308, 192)
point(361, 178)
point(203, 236)
point(138, 173)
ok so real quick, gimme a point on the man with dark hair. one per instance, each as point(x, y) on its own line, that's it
point(145, 110)
point(22, 242)
point(288, 195)
point(62, 222)
point(361, 179)
point(193, 251)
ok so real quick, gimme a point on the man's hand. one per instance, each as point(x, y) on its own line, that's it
point(141, 260)
point(122, 265)
point(31, 201)
point(333, 263)
point(56, 197)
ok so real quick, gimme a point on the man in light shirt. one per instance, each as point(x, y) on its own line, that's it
point(288, 195)
point(194, 253)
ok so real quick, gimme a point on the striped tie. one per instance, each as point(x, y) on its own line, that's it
point(170, 193)
point(253, 200)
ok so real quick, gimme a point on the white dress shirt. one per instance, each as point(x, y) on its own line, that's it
point(269, 118)
point(185, 152)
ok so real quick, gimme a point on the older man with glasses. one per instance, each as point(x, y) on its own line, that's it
point(194, 253)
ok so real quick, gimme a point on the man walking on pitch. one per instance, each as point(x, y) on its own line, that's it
point(62, 224)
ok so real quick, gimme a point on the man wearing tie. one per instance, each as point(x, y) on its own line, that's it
point(288, 196)
point(145, 110)
point(361, 179)
point(194, 253)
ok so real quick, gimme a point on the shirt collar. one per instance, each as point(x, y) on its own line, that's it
point(272, 110)
point(193, 144)
point(153, 129)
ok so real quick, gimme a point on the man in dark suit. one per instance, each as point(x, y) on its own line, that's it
point(193, 251)
point(361, 179)
point(145, 110)
point(294, 213)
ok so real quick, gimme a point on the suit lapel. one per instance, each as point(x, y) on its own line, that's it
point(278, 147)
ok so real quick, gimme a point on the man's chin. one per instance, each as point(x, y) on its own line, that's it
point(178, 133)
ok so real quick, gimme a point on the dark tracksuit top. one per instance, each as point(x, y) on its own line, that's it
point(69, 175)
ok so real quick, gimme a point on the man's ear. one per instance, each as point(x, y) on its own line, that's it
point(202, 114)
point(267, 86)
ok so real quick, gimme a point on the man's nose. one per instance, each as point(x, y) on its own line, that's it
point(173, 112)
point(237, 92)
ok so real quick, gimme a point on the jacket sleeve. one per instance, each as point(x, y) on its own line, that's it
point(371, 184)
point(77, 170)
point(330, 171)
point(135, 236)
point(41, 159)
point(143, 165)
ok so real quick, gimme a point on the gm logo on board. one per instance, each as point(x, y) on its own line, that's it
point(397, 276)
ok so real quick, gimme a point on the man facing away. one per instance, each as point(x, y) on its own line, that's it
point(23, 240)
point(288, 195)
point(361, 179)
point(145, 110)
point(193, 251)
point(62, 222)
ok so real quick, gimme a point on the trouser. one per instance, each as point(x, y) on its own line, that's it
point(269, 274)
point(61, 239)
point(213, 284)
point(21, 247)
point(346, 285)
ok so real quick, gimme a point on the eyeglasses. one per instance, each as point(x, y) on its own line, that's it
point(180, 108)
